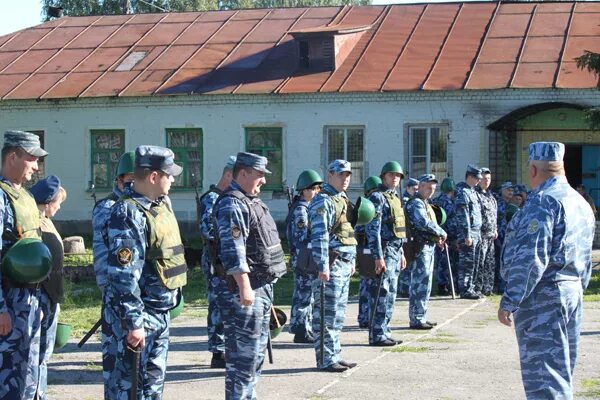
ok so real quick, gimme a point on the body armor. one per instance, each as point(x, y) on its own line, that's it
point(26, 214)
point(342, 228)
point(397, 220)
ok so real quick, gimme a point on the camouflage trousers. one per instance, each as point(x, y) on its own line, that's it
point(335, 300)
point(487, 266)
point(246, 335)
point(385, 286)
point(214, 325)
point(302, 303)
point(547, 326)
point(47, 339)
point(441, 270)
point(117, 359)
point(364, 315)
point(404, 282)
point(421, 271)
point(19, 350)
point(468, 262)
point(499, 283)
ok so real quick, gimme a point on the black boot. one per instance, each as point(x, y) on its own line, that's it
point(218, 360)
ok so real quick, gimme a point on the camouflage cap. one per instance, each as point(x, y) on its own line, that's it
point(474, 171)
point(506, 185)
point(425, 178)
point(546, 151)
point(485, 171)
point(157, 158)
point(339, 166)
point(412, 182)
point(230, 162)
point(252, 160)
point(30, 142)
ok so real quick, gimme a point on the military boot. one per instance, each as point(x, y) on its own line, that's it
point(218, 360)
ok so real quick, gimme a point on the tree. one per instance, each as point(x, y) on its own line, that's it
point(591, 62)
point(112, 7)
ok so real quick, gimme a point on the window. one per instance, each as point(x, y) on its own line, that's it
point(41, 172)
point(186, 143)
point(267, 142)
point(428, 147)
point(347, 143)
point(107, 148)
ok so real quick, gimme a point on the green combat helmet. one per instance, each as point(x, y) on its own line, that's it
point(126, 163)
point(176, 311)
point(392, 166)
point(511, 210)
point(440, 214)
point(371, 184)
point(278, 320)
point(307, 179)
point(364, 212)
point(448, 185)
point(28, 261)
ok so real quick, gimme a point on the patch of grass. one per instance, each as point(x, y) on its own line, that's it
point(92, 366)
point(593, 291)
point(407, 349)
point(79, 259)
point(445, 334)
point(591, 388)
point(439, 340)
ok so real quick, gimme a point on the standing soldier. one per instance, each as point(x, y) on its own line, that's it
point(250, 259)
point(404, 280)
point(305, 271)
point(386, 234)
point(364, 314)
point(547, 264)
point(503, 202)
point(426, 233)
point(101, 214)
point(446, 201)
point(489, 233)
point(146, 270)
point(467, 214)
point(214, 324)
point(20, 312)
point(334, 251)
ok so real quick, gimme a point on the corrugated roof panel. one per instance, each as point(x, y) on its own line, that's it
point(77, 21)
point(148, 82)
point(110, 84)
point(25, 39)
point(585, 24)
point(422, 49)
point(490, 76)
point(249, 56)
point(102, 59)
point(9, 82)
point(500, 50)
point(163, 34)
point(6, 57)
point(454, 63)
point(305, 83)
point(509, 25)
point(233, 31)
point(270, 31)
point(263, 86)
point(543, 8)
point(73, 86)
point(151, 54)
point(93, 37)
point(585, 7)
point(29, 62)
point(58, 38)
point(181, 17)
point(174, 57)
point(114, 20)
point(542, 49)
point(576, 46)
point(66, 61)
point(570, 76)
point(128, 35)
point(150, 18)
point(221, 81)
point(221, 16)
point(250, 14)
point(322, 12)
point(516, 8)
point(534, 75)
point(286, 13)
point(362, 15)
point(380, 56)
point(210, 56)
point(185, 81)
point(304, 23)
point(35, 86)
point(198, 33)
point(554, 24)
point(5, 38)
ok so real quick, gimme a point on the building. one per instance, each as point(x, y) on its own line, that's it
point(435, 86)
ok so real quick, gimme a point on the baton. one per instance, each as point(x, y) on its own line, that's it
point(135, 370)
point(376, 304)
point(270, 348)
point(90, 333)
point(322, 333)
point(450, 272)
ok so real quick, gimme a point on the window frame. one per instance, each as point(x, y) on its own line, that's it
point(183, 160)
point(346, 128)
point(270, 186)
point(94, 151)
point(444, 129)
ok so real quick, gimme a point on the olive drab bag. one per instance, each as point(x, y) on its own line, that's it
point(26, 213)
point(164, 248)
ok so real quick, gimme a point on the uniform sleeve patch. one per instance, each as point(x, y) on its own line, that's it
point(124, 255)
point(533, 226)
point(236, 232)
point(321, 211)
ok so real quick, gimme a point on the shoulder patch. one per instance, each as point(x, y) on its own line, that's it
point(321, 211)
point(533, 226)
point(124, 255)
point(236, 232)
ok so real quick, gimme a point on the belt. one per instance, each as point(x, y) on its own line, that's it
point(14, 285)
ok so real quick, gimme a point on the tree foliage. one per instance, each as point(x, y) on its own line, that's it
point(591, 62)
point(113, 7)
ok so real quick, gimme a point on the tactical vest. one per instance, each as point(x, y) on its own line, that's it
point(264, 253)
point(342, 228)
point(430, 211)
point(26, 214)
point(397, 220)
point(164, 248)
point(414, 233)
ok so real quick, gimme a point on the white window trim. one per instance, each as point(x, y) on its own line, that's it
point(326, 159)
point(409, 153)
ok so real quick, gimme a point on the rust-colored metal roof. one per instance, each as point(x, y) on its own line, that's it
point(430, 46)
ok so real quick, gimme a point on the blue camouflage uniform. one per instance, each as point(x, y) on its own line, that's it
point(445, 202)
point(487, 255)
point(404, 279)
point(302, 299)
point(214, 324)
point(383, 245)
point(546, 262)
point(364, 313)
point(467, 214)
point(426, 231)
point(338, 259)
point(501, 223)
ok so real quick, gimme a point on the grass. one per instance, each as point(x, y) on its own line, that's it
point(439, 340)
point(591, 388)
point(79, 259)
point(407, 349)
point(593, 291)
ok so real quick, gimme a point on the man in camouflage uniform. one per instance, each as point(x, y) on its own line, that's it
point(386, 234)
point(404, 279)
point(503, 200)
point(334, 251)
point(547, 264)
point(305, 271)
point(101, 214)
point(146, 269)
point(364, 314)
point(467, 215)
point(426, 233)
point(249, 260)
point(489, 233)
point(445, 201)
point(20, 312)
point(214, 325)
